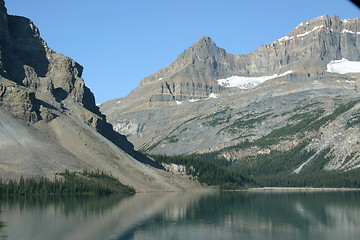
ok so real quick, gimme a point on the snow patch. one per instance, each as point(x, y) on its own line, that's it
point(348, 31)
point(300, 25)
point(160, 79)
point(247, 82)
point(192, 100)
point(347, 81)
point(298, 170)
point(300, 35)
point(343, 66)
point(213, 95)
point(320, 17)
point(306, 33)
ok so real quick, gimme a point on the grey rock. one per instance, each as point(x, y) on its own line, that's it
point(305, 51)
point(173, 123)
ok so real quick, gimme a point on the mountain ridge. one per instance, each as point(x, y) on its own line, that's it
point(194, 74)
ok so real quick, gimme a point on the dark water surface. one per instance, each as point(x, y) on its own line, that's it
point(220, 215)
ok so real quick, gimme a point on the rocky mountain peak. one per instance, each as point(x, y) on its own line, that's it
point(191, 60)
point(333, 25)
point(205, 39)
point(203, 45)
point(202, 50)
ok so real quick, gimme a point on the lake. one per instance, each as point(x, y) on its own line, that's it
point(205, 215)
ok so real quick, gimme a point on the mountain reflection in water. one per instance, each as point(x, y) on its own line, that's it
point(200, 215)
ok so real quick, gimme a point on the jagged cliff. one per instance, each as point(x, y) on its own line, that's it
point(298, 93)
point(49, 121)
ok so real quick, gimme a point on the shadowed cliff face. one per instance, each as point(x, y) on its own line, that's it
point(27, 49)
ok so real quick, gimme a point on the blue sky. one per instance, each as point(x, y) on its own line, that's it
point(119, 42)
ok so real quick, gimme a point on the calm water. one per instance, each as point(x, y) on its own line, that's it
point(226, 215)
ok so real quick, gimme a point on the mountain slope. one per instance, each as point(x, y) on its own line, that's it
point(49, 121)
point(299, 94)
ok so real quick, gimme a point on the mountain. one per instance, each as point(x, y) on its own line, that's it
point(49, 121)
point(298, 95)
point(195, 73)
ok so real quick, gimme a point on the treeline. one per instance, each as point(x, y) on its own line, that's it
point(97, 183)
point(321, 179)
point(207, 172)
point(276, 169)
point(273, 170)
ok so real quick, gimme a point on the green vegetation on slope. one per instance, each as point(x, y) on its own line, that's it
point(339, 110)
point(331, 179)
point(248, 121)
point(273, 167)
point(276, 169)
point(207, 172)
point(218, 118)
point(275, 162)
point(354, 120)
point(97, 183)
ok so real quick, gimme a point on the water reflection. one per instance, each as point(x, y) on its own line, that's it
point(224, 215)
point(1, 226)
point(321, 215)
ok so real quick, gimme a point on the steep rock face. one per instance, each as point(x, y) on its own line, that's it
point(32, 64)
point(306, 49)
point(35, 68)
point(3, 33)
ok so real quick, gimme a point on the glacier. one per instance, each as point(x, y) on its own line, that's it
point(247, 82)
point(343, 66)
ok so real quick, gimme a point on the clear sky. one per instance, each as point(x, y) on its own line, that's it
point(119, 42)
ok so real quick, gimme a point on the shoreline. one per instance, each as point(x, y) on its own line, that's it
point(300, 189)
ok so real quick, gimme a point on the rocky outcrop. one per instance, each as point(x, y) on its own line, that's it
point(20, 102)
